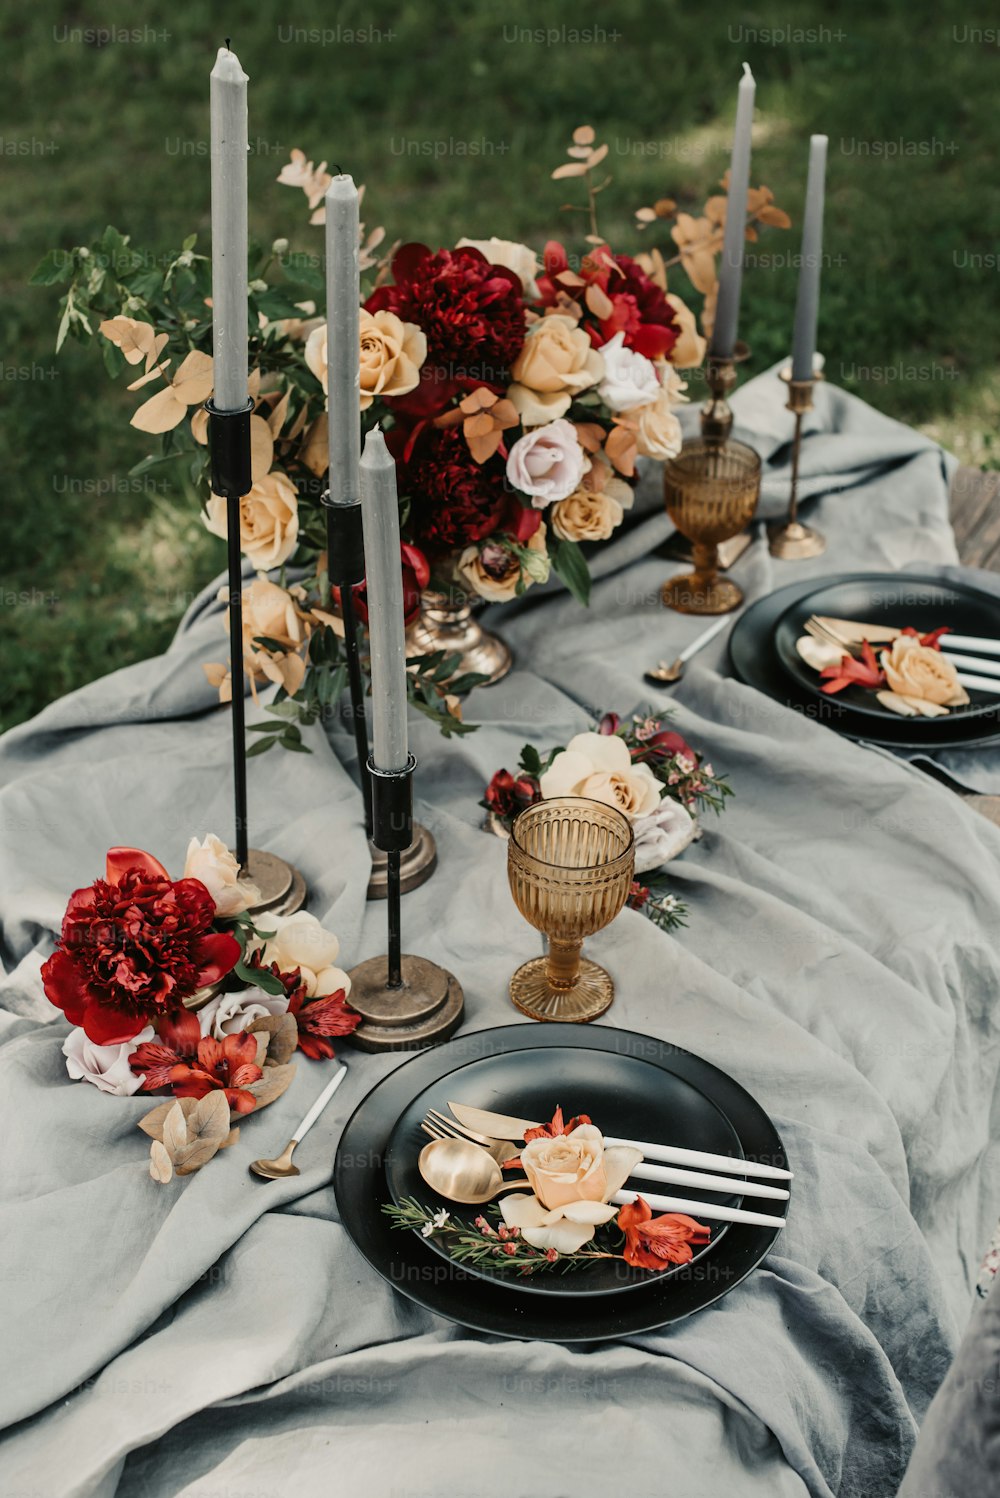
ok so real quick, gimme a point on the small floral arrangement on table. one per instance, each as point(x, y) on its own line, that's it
point(138, 947)
point(912, 677)
point(516, 393)
point(566, 1221)
point(644, 769)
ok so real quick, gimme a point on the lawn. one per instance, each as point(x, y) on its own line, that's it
point(454, 120)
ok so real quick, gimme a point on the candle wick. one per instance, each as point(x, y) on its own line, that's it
point(339, 170)
point(229, 48)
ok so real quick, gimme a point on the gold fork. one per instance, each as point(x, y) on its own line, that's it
point(438, 1127)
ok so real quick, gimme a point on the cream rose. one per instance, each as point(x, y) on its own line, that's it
point(493, 572)
point(269, 520)
point(231, 1013)
point(391, 354)
point(630, 379)
point(299, 941)
point(595, 510)
point(915, 670)
point(547, 463)
point(212, 863)
point(106, 1066)
point(658, 432)
point(599, 767)
point(573, 1178)
point(511, 255)
point(556, 362)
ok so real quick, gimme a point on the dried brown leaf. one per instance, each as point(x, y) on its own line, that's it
point(599, 302)
point(580, 153)
point(568, 169)
point(272, 1084)
point(596, 157)
point(777, 218)
point(175, 1130)
point(583, 135)
point(664, 208)
point(280, 1034)
point(231, 1138)
point(161, 1166)
point(645, 216)
point(152, 1124)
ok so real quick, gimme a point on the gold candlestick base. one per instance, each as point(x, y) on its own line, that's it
point(282, 887)
point(426, 1009)
point(416, 865)
point(790, 540)
point(721, 376)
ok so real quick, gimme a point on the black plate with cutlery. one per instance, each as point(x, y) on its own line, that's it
point(754, 658)
point(895, 601)
point(447, 1289)
point(627, 1097)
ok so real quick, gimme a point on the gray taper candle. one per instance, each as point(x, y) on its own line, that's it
point(343, 351)
point(380, 517)
point(727, 311)
point(807, 300)
point(229, 231)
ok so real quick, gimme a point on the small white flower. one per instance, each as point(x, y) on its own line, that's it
point(440, 1218)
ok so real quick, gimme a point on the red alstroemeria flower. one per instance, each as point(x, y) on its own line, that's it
point(416, 576)
point(852, 673)
point(133, 946)
point(317, 1018)
point(657, 1242)
point(192, 1064)
point(932, 640)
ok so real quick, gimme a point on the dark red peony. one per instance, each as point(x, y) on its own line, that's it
point(657, 1242)
point(192, 1065)
point(471, 312)
point(453, 499)
point(133, 946)
point(416, 576)
point(507, 794)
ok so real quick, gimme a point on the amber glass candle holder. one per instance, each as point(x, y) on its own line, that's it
point(570, 864)
point(711, 490)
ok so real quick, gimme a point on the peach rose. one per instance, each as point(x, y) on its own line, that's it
point(573, 1178)
point(596, 509)
point(556, 362)
point(269, 520)
point(276, 614)
point(495, 573)
point(392, 352)
point(657, 430)
point(915, 670)
point(599, 767)
point(212, 863)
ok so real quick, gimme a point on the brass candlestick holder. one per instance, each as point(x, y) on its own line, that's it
point(790, 539)
point(407, 1002)
point(721, 376)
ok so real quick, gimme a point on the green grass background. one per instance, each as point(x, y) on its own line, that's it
point(97, 569)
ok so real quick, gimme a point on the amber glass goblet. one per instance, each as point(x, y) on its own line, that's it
point(570, 864)
point(711, 490)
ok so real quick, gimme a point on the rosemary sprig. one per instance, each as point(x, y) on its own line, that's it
point(484, 1243)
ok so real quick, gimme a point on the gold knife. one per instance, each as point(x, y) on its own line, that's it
point(503, 1126)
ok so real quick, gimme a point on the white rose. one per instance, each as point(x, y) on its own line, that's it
point(511, 255)
point(547, 463)
point(629, 378)
point(663, 834)
point(105, 1065)
point(599, 767)
point(229, 1013)
point(212, 863)
point(299, 941)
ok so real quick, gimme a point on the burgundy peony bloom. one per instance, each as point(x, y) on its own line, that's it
point(507, 794)
point(193, 1065)
point(133, 946)
point(471, 312)
point(453, 500)
point(416, 576)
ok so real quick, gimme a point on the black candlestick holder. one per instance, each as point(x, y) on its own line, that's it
point(282, 888)
point(407, 1002)
point(345, 554)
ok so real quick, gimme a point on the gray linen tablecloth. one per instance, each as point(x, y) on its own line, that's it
point(222, 1336)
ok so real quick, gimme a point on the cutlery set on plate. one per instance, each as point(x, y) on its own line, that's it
point(464, 1162)
point(983, 664)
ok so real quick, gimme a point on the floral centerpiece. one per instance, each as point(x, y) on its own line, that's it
point(171, 987)
point(644, 769)
point(517, 392)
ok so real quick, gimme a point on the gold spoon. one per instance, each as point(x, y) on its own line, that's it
point(462, 1172)
point(282, 1167)
point(673, 671)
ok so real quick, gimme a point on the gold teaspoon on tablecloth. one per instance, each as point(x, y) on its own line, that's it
point(281, 1166)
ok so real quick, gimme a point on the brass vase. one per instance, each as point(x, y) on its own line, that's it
point(447, 622)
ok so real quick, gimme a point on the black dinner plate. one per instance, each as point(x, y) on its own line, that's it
point(406, 1263)
point(896, 600)
point(625, 1096)
point(755, 661)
